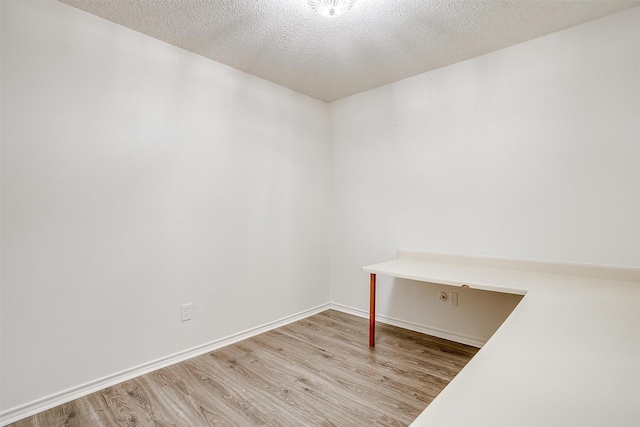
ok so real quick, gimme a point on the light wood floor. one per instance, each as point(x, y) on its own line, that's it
point(315, 372)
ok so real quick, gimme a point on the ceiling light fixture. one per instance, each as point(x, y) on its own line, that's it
point(331, 8)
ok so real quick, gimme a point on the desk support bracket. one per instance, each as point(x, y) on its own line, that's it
point(372, 311)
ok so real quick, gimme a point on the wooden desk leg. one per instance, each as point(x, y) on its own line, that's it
point(372, 311)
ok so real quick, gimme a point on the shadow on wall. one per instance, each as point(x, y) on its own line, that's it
point(416, 305)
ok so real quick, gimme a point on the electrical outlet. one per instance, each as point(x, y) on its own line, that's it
point(453, 299)
point(185, 312)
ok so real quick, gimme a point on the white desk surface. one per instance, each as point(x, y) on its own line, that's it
point(568, 355)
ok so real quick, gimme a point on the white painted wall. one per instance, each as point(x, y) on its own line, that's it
point(528, 152)
point(136, 177)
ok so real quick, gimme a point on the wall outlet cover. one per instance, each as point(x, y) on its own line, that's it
point(185, 312)
point(453, 299)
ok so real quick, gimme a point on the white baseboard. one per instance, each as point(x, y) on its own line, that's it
point(15, 414)
point(440, 333)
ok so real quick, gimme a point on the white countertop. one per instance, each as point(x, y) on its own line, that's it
point(568, 355)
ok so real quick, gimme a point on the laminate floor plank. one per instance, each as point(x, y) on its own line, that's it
point(193, 400)
point(318, 371)
point(406, 373)
point(300, 384)
point(274, 388)
point(150, 404)
point(344, 374)
point(222, 396)
point(309, 386)
point(264, 393)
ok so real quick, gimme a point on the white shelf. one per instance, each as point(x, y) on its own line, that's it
point(568, 355)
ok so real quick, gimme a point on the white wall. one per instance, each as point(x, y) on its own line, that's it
point(136, 177)
point(528, 152)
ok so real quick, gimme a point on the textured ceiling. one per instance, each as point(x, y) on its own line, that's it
point(375, 43)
